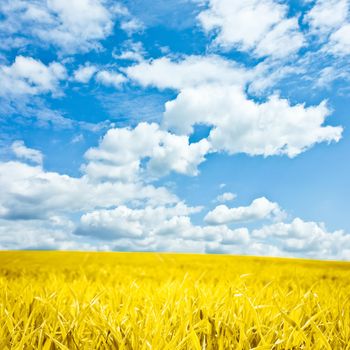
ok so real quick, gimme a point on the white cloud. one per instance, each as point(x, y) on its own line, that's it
point(52, 233)
point(191, 71)
point(303, 238)
point(38, 210)
point(110, 224)
point(259, 80)
point(274, 43)
point(226, 197)
point(132, 26)
point(339, 41)
point(327, 15)
point(295, 239)
point(81, 23)
point(122, 150)
point(124, 222)
point(260, 208)
point(21, 151)
point(29, 76)
point(84, 73)
point(327, 75)
point(110, 78)
point(71, 25)
point(29, 192)
point(268, 74)
point(297, 229)
point(237, 236)
point(329, 20)
point(55, 232)
point(260, 26)
point(157, 228)
point(133, 51)
point(241, 125)
point(211, 92)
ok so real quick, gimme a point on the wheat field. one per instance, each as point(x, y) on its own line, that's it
point(70, 300)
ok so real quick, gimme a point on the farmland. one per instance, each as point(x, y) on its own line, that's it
point(71, 300)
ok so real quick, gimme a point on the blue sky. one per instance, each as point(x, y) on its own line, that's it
point(216, 126)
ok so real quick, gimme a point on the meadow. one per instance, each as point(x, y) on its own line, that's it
point(71, 300)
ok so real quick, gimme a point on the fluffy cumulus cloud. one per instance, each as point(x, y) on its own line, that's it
point(253, 25)
point(340, 41)
point(194, 70)
point(130, 51)
point(36, 206)
point(108, 78)
point(191, 71)
point(72, 26)
point(150, 227)
point(170, 229)
point(55, 232)
point(39, 209)
point(241, 125)
point(295, 238)
point(21, 151)
point(226, 197)
point(211, 92)
point(327, 15)
point(131, 25)
point(84, 73)
point(29, 192)
point(28, 76)
point(124, 222)
point(259, 209)
point(124, 153)
point(50, 234)
point(306, 239)
point(329, 21)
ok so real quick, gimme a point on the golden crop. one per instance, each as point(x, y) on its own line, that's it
point(62, 300)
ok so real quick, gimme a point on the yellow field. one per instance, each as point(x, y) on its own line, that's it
point(61, 300)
